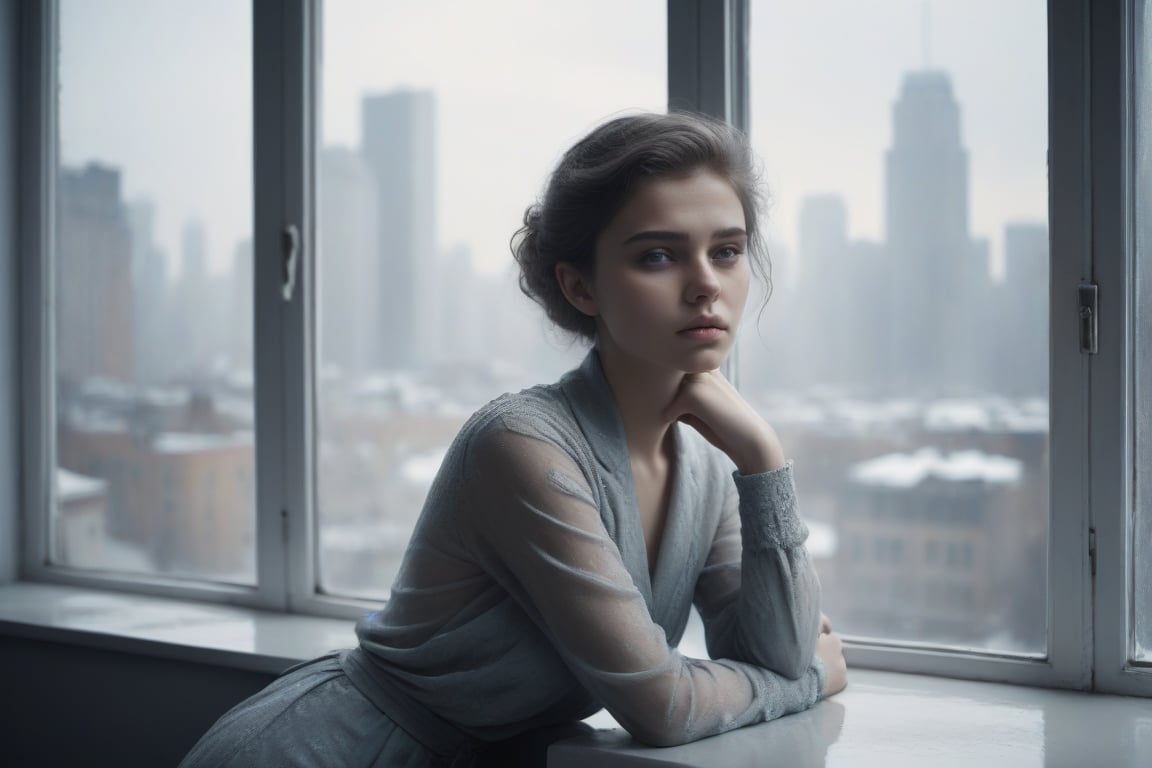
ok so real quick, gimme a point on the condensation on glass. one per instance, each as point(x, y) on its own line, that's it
point(153, 278)
point(434, 138)
point(1142, 528)
point(903, 355)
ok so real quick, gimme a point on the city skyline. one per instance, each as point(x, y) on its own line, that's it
point(366, 192)
point(875, 379)
point(798, 130)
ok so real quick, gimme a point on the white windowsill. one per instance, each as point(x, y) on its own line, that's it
point(223, 635)
point(889, 719)
point(882, 719)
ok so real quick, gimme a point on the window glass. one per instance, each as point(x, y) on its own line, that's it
point(153, 281)
point(903, 355)
point(1142, 535)
point(439, 122)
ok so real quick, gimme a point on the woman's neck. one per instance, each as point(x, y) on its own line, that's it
point(642, 391)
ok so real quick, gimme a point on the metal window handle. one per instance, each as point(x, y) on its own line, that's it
point(290, 253)
point(1089, 310)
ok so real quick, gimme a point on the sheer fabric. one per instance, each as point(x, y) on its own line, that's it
point(525, 597)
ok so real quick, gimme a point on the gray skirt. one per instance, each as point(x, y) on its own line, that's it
point(312, 715)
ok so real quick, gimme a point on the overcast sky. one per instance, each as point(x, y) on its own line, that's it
point(163, 91)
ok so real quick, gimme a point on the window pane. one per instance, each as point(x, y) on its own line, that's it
point(903, 357)
point(153, 275)
point(1142, 543)
point(430, 154)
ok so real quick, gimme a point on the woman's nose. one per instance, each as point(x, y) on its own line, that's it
point(703, 283)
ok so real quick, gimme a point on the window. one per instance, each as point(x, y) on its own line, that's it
point(422, 179)
point(216, 406)
point(153, 284)
point(906, 339)
point(1142, 534)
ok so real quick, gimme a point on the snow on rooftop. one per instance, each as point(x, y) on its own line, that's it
point(907, 470)
point(192, 442)
point(990, 413)
point(821, 541)
point(72, 486)
point(421, 468)
point(950, 415)
point(94, 422)
point(169, 397)
point(365, 537)
point(98, 386)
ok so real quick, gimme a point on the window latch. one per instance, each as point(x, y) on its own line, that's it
point(290, 254)
point(1089, 306)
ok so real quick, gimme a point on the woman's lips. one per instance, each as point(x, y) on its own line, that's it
point(702, 333)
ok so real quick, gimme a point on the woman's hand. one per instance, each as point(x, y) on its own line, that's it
point(825, 624)
point(708, 403)
point(830, 650)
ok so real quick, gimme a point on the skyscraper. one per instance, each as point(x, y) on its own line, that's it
point(197, 319)
point(938, 275)
point(351, 327)
point(826, 289)
point(1023, 367)
point(398, 135)
point(154, 347)
point(94, 305)
point(241, 328)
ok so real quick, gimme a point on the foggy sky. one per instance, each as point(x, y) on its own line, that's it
point(163, 90)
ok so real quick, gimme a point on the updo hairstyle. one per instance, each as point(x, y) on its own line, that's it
point(596, 177)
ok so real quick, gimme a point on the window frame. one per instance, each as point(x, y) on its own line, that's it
point(1091, 210)
point(39, 131)
point(1112, 449)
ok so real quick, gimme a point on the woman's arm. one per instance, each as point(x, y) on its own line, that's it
point(758, 593)
point(536, 528)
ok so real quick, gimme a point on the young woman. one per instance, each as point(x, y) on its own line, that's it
point(572, 526)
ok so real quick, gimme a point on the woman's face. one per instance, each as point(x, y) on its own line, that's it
point(672, 274)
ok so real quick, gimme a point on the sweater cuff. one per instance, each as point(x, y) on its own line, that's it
point(768, 510)
point(821, 672)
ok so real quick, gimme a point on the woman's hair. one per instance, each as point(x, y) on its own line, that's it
point(597, 176)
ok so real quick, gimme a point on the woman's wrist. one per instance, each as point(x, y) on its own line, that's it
point(765, 455)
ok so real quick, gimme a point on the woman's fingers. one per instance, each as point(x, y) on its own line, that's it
point(830, 650)
point(711, 405)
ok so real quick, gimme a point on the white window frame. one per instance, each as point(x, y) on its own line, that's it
point(1091, 234)
point(1112, 448)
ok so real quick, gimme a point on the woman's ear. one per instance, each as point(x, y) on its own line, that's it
point(576, 288)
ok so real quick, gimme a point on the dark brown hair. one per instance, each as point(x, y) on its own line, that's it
point(596, 177)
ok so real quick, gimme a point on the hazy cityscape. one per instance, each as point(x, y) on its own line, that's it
point(909, 385)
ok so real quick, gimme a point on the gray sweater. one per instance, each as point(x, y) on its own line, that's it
point(525, 599)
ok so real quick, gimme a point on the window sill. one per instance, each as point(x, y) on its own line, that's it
point(888, 718)
point(883, 718)
point(222, 635)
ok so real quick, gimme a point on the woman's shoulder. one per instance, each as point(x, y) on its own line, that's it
point(539, 412)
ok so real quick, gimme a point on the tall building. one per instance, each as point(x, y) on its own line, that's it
point(351, 317)
point(192, 316)
point(94, 303)
point(399, 135)
point(938, 277)
point(1023, 364)
point(151, 323)
point(241, 318)
point(826, 290)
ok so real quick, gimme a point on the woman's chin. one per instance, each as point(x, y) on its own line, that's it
point(704, 362)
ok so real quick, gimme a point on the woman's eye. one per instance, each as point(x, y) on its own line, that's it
point(727, 253)
point(653, 258)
